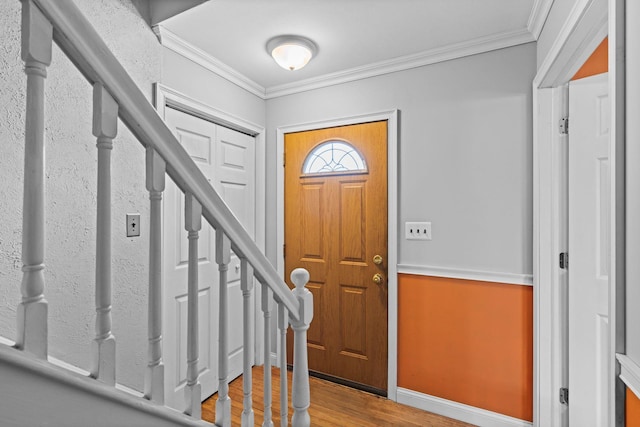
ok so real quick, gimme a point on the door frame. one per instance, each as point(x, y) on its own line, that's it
point(164, 97)
point(391, 116)
point(588, 22)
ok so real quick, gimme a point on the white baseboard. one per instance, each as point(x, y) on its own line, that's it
point(458, 411)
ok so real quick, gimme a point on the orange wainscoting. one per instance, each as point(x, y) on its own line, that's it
point(597, 63)
point(467, 341)
point(632, 415)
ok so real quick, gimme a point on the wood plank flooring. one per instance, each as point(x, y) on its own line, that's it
point(331, 405)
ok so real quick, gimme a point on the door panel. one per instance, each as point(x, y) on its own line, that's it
point(311, 214)
point(335, 223)
point(589, 225)
point(353, 318)
point(353, 244)
point(226, 158)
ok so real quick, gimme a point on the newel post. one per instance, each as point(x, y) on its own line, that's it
point(300, 394)
point(37, 35)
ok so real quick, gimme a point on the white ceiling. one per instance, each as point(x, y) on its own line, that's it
point(353, 36)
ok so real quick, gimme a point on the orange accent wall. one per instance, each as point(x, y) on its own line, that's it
point(597, 63)
point(632, 411)
point(467, 341)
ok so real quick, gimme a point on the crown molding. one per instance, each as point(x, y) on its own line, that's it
point(432, 56)
point(539, 13)
point(180, 46)
point(162, 10)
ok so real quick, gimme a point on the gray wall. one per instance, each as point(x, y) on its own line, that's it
point(465, 154)
point(191, 79)
point(71, 192)
point(632, 279)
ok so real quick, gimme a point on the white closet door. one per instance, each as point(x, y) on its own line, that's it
point(227, 158)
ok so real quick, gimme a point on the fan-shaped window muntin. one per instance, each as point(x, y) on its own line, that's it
point(334, 157)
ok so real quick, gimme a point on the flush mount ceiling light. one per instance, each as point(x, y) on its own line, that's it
point(291, 52)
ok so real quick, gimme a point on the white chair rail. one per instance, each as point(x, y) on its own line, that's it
point(115, 95)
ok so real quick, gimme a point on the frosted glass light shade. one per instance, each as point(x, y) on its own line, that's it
point(291, 52)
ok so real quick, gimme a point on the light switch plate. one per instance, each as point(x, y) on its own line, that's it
point(133, 225)
point(417, 230)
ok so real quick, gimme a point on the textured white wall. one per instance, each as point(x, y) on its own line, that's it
point(71, 191)
point(465, 154)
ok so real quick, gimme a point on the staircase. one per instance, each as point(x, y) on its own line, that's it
point(38, 390)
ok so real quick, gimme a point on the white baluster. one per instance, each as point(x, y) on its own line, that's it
point(154, 375)
point(32, 311)
point(192, 391)
point(246, 284)
point(283, 325)
point(105, 125)
point(223, 404)
point(300, 394)
point(266, 310)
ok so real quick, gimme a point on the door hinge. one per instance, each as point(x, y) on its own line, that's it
point(284, 251)
point(284, 158)
point(564, 260)
point(564, 126)
point(564, 396)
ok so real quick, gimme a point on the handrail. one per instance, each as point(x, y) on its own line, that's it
point(77, 38)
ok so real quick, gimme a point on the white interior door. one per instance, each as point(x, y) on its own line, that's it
point(227, 159)
point(589, 236)
point(235, 182)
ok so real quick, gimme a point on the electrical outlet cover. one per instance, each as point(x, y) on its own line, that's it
point(133, 225)
point(417, 230)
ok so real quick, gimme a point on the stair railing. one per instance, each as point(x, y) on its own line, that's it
point(115, 95)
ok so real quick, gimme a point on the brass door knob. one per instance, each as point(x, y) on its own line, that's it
point(377, 279)
point(377, 260)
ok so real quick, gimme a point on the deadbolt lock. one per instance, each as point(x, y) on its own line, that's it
point(377, 279)
point(377, 260)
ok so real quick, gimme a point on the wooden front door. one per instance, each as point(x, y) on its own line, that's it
point(336, 227)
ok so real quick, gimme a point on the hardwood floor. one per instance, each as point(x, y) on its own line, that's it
point(331, 405)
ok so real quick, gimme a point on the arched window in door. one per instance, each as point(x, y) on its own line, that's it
point(334, 156)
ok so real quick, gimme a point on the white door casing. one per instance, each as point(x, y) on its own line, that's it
point(588, 22)
point(589, 251)
point(166, 97)
point(227, 158)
